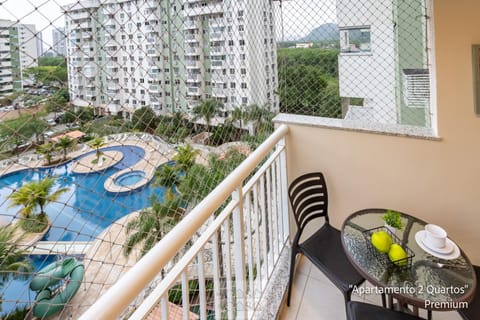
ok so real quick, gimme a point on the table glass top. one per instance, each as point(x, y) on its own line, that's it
point(424, 281)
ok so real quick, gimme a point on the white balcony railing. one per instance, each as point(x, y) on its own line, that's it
point(237, 249)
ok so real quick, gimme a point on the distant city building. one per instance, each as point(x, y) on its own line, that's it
point(39, 44)
point(18, 51)
point(170, 55)
point(304, 45)
point(59, 39)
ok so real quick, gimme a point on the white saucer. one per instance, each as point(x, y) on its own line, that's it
point(455, 252)
point(445, 250)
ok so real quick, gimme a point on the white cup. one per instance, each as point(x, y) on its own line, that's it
point(435, 236)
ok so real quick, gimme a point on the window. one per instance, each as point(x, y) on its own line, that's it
point(244, 85)
point(355, 40)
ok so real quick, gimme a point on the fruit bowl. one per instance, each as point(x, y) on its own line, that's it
point(383, 258)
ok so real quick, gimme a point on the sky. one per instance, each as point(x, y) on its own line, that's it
point(299, 16)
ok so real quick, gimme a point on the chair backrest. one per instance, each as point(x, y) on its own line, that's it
point(309, 199)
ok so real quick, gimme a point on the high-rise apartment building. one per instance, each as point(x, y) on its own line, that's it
point(59, 40)
point(18, 51)
point(170, 55)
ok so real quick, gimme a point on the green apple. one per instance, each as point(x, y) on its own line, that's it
point(396, 253)
point(382, 241)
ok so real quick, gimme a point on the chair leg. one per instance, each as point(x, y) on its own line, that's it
point(384, 300)
point(292, 272)
point(429, 314)
point(347, 296)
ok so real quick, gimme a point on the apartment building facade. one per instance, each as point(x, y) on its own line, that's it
point(170, 55)
point(384, 61)
point(18, 51)
point(59, 40)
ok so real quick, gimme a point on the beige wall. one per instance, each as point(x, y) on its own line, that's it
point(438, 181)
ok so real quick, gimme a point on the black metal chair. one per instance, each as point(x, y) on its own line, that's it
point(365, 311)
point(309, 200)
point(473, 310)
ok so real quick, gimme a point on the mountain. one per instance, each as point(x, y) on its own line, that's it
point(327, 31)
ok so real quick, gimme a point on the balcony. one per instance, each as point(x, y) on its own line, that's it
point(217, 51)
point(192, 37)
point(193, 91)
point(217, 64)
point(152, 53)
point(189, 51)
point(250, 233)
point(154, 89)
point(193, 64)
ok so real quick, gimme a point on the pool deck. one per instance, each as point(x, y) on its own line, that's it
point(104, 260)
point(89, 163)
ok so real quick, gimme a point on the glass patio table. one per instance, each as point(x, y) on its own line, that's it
point(423, 283)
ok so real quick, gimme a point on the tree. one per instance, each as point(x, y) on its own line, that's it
point(238, 115)
point(52, 61)
point(32, 195)
point(145, 119)
point(308, 82)
point(19, 130)
point(167, 176)
point(50, 75)
point(13, 261)
point(185, 157)
point(207, 110)
point(65, 143)
point(47, 150)
point(153, 223)
point(97, 143)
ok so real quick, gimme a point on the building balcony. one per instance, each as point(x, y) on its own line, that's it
point(190, 25)
point(189, 51)
point(193, 64)
point(153, 53)
point(154, 89)
point(219, 92)
point(255, 213)
point(217, 51)
point(217, 64)
point(193, 77)
point(193, 37)
point(193, 91)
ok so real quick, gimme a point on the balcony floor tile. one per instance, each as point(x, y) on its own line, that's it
point(315, 297)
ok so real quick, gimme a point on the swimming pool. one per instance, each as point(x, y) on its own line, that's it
point(129, 178)
point(86, 209)
point(16, 293)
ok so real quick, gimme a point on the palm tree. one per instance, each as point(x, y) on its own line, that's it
point(65, 143)
point(153, 223)
point(13, 260)
point(185, 157)
point(47, 150)
point(238, 115)
point(97, 143)
point(31, 195)
point(167, 176)
point(207, 109)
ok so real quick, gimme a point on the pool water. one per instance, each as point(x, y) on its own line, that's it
point(129, 178)
point(86, 208)
point(15, 293)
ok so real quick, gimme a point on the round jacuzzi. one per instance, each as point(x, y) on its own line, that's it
point(129, 178)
